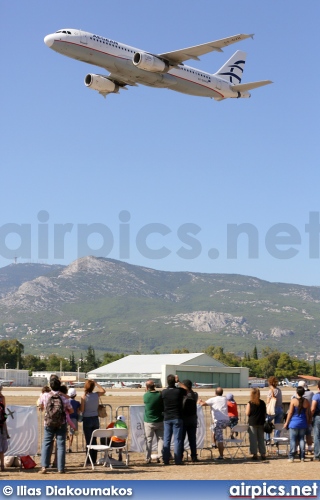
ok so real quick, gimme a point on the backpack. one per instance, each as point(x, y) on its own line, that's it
point(189, 405)
point(54, 416)
point(3, 415)
point(268, 427)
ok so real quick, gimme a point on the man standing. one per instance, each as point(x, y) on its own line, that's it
point(315, 412)
point(153, 419)
point(173, 424)
point(55, 405)
point(220, 418)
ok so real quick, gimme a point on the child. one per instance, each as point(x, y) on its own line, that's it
point(74, 416)
point(3, 430)
point(232, 413)
point(117, 442)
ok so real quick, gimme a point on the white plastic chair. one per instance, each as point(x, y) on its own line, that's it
point(235, 445)
point(117, 464)
point(282, 439)
point(98, 433)
point(108, 448)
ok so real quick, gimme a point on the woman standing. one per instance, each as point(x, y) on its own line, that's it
point(89, 409)
point(256, 411)
point(298, 420)
point(275, 392)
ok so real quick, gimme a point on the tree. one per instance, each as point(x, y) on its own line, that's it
point(284, 367)
point(73, 364)
point(90, 361)
point(314, 368)
point(10, 353)
point(255, 353)
point(109, 358)
point(55, 363)
point(33, 363)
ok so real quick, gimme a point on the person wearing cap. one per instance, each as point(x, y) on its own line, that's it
point(232, 412)
point(315, 412)
point(307, 395)
point(74, 416)
point(117, 442)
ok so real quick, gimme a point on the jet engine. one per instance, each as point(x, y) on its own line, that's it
point(100, 83)
point(146, 61)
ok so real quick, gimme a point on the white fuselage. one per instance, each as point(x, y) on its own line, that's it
point(117, 58)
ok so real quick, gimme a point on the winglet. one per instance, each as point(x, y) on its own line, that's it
point(252, 35)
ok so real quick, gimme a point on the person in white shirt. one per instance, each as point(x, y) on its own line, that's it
point(220, 418)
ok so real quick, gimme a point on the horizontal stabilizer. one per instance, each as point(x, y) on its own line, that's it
point(243, 87)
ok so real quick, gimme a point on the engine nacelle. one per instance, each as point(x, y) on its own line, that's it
point(149, 63)
point(100, 83)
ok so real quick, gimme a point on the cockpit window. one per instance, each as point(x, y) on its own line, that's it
point(64, 31)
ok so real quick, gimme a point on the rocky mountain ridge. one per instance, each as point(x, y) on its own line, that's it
point(99, 301)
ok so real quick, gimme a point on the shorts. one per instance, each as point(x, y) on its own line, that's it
point(75, 422)
point(217, 427)
point(233, 421)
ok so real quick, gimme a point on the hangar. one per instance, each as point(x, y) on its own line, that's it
point(198, 367)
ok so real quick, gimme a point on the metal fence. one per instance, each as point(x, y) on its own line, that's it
point(79, 441)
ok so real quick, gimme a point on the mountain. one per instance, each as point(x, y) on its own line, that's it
point(119, 307)
point(12, 276)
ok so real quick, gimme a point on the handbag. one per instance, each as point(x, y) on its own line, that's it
point(102, 411)
point(268, 427)
point(28, 462)
point(271, 406)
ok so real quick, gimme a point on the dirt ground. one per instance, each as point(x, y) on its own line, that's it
point(274, 468)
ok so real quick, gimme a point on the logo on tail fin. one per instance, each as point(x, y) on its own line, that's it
point(236, 70)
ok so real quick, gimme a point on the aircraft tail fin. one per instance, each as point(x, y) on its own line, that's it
point(232, 70)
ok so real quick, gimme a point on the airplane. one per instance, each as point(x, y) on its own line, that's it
point(106, 384)
point(204, 386)
point(129, 66)
point(6, 383)
point(131, 385)
point(76, 384)
point(292, 384)
point(10, 413)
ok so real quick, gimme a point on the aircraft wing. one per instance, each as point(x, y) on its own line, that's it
point(120, 80)
point(178, 56)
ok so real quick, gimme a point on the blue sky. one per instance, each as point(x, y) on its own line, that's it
point(150, 158)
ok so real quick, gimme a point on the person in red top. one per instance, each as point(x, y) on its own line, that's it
point(232, 413)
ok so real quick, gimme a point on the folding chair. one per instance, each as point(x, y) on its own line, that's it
point(233, 445)
point(117, 464)
point(98, 433)
point(283, 439)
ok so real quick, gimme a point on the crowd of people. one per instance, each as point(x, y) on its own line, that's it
point(171, 414)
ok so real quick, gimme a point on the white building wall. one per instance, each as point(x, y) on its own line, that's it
point(20, 377)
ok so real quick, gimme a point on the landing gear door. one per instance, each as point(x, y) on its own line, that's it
point(83, 38)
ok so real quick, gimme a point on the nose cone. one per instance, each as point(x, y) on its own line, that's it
point(48, 40)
